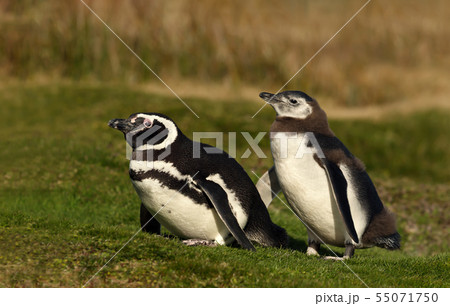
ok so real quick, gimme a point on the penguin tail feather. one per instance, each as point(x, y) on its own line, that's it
point(382, 231)
point(269, 236)
point(391, 242)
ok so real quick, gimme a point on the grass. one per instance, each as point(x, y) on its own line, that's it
point(67, 205)
point(391, 49)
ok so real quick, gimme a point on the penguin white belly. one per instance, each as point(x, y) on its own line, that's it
point(305, 186)
point(180, 214)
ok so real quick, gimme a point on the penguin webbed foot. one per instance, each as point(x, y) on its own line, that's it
point(335, 258)
point(197, 242)
point(349, 252)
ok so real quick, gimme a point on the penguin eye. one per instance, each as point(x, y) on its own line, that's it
point(147, 123)
point(293, 101)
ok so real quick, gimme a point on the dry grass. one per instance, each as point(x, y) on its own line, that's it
point(387, 53)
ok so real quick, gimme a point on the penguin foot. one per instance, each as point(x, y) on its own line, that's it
point(313, 248)
point(336, 258)
point(196, 242)
point(349, 251)
point(312, 252)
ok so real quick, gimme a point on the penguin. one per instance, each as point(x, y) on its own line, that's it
point(197, 192)
point(323, 182)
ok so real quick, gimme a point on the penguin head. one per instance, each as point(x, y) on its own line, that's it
point(294, 104)
point(146, 131)
point(296, 111)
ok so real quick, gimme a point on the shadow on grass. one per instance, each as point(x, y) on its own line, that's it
point(294, 244)
point(301, 246)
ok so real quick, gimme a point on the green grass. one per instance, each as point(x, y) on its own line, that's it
point(67, 205)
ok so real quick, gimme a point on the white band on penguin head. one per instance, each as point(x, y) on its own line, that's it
point(172, 132)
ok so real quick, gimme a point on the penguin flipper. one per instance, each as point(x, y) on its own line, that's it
point(268, 186)
point(219, 200)
point(339, 187)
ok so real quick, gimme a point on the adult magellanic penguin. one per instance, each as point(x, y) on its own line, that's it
point(196, 191)
point(325, 185)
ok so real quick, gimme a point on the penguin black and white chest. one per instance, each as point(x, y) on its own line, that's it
point(194, 193)
point(325, 185)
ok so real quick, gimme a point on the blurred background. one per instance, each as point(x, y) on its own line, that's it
point(66, 201)
point(392, 52)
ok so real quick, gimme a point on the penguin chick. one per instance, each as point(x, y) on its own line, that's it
point(325, 185)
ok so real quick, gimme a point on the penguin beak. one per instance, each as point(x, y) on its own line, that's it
point(122, 125)
point(268, 97)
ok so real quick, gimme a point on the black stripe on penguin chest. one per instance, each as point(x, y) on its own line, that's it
point(173, 183)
